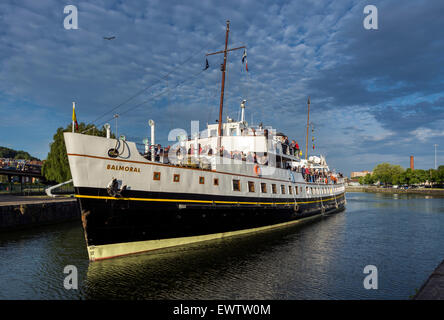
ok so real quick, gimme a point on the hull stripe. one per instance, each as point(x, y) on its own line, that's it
point(202, 201)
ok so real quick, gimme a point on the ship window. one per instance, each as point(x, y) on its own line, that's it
point(236, 185)
point(311, 190)
point(216, 181)
point(250, 186)
point(296, 189)
point(273, 188)
point(201, 180)
point(176, 178)
point(290, 189)
point(300, 189)
point(282, 189)
point(307, 190)
point(263, 187)
point(156, 176)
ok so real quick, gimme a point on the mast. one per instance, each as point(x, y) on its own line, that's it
point(308, 124)
point(223, 67)
point(219, 129)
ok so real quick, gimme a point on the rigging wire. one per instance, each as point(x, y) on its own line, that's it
point(153, 84)
point(155, 96)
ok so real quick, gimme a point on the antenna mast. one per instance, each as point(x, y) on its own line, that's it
point(223, 67)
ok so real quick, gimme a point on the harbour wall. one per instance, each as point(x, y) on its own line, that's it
point(21, 215)
point(433, 288)
point(427, 192)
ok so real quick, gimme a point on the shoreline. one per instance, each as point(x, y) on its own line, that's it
point(426, 192)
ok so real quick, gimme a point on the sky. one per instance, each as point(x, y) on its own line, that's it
point(377, 95)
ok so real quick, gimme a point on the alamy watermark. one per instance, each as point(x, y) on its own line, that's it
point(371, 20)
point(71, 21)
point(371, 281)
point(71, 281)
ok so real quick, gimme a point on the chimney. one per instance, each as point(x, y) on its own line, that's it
point(412, 166)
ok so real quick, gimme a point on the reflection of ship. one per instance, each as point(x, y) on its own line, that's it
point(231, 179)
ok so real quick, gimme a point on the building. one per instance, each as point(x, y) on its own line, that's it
point(357, 174)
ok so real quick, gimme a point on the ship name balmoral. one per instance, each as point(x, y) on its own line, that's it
point(122, 168)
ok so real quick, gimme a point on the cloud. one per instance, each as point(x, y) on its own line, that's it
point(373, 92)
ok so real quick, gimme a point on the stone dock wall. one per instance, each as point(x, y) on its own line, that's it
point(24, 214)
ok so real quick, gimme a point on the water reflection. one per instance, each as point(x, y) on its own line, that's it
point(257, 266)
point(322, 259)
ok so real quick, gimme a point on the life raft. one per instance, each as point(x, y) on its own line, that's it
point(257, 170)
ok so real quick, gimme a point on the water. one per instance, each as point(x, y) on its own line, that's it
point(402, 235)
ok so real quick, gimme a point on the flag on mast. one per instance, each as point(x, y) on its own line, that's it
point(244, 59)
point(74, 119)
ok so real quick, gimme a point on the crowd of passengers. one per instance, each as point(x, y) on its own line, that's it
point(184, 156)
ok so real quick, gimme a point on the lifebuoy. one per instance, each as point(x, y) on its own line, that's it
point(257, 170)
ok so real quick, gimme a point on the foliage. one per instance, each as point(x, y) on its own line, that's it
point(394, 174)
point(14, 154)
point(56, 166)
point(367, 179)
point(385, 172)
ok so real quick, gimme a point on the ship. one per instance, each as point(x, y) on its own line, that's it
point(230, 179)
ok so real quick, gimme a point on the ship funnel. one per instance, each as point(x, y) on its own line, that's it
point(151, 124)
point(243, 110)
point(108, 130)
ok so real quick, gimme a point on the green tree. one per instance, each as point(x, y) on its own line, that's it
point(385, 172)
point(14, 154)
point(421, 175)
point(440, 174)
point(56, 166)
point(367, 179)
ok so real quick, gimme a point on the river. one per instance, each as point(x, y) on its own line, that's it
point(401, 235)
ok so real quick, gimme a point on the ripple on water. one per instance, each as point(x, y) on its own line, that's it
point(323, 259)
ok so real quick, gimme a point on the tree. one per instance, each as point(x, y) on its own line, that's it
point(367, 179)
point(56, 166)
point(14, 154)
point(421, 175)
point(440, 174)
point(384, 172)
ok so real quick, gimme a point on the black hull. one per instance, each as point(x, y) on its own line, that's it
point(144, 216)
